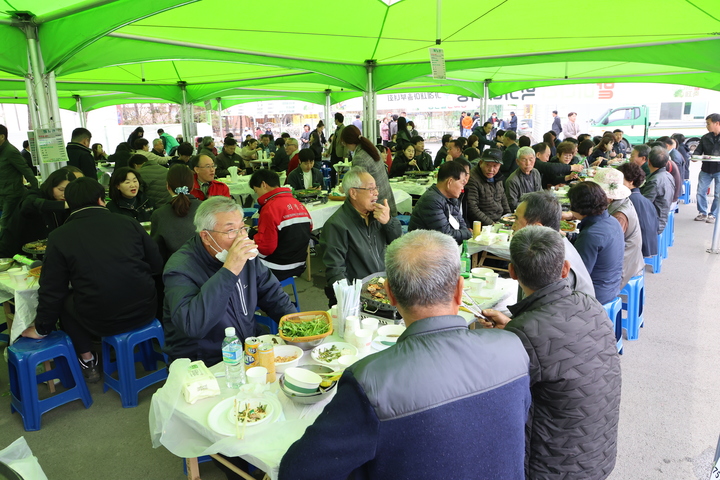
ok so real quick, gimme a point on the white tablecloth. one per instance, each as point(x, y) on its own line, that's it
point(184, 430)
point(410, 187)
point(321, 213)
point(501, 250)
point(26, 302)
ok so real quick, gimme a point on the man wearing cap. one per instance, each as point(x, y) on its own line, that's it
point(524, 179)
point(439, 208)
point(486, 200)
point(620, 207)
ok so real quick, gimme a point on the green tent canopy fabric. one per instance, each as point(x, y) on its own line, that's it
point(142, 49)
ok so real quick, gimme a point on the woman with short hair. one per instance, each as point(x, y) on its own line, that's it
point(127, 195)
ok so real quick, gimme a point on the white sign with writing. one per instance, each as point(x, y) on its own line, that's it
point(47, 145)
point(437, 62)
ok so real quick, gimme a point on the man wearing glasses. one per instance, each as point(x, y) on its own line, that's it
point(205, 184)
point(215, 281)
point(355, 237)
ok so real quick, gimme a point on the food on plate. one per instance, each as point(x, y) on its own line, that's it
point(288, 358)
point(40, 245)
point(376, 289)
point(331, 354)
point(250, 414)
point(316, 326)
point(566, 226)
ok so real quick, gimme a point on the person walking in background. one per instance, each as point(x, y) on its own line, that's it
point(556, 125)
point(710, 171)
point(358, 123)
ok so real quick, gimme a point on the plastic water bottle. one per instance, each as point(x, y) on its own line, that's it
point(232, 352)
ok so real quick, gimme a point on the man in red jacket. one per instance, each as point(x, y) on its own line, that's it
point(284, 227)
point(205, 185)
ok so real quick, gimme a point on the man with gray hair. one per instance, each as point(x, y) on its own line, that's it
point(659, 187)
point(543, 209)
point(574, 363)
point(355, 237)
point(414, 408)
point(524, 179)
point(214, 281)
point(158, 147)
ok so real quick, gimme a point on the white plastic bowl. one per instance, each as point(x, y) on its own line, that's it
point(390, 331)
point(301, 380)
point(287, 351)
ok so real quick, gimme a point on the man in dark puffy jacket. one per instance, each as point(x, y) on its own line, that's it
point(439, 209)
point(574, 364)
point(486, 198)
point(79, 153)
point(415, 409)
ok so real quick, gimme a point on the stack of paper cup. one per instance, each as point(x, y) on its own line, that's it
point(491, 279)
point(476, 284)
point(352, 324)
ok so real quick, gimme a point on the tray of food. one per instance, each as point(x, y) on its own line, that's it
point(374, 298)
point(305, 329)
point(35, 248)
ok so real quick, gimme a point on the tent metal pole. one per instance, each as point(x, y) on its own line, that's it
point(53, 102)
point(34, 119)
point(370, 126)
point(184, 114)
point(328, 102)
point(80, 111)
point(486, 94)
point(715, 239)
point(37, 80)
point(220, 119)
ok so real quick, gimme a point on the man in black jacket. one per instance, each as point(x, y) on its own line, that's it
point(305, 177)
point(79, 153)
point(438, 208)
point(443, 151)
point(574, 364)
point(109, 260)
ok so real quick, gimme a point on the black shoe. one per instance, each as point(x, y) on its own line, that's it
point(90, 369)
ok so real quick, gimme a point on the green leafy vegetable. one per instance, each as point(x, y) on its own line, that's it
point(316, 326)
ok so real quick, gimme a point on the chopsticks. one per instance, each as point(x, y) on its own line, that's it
point(238, 434)
point(475, 309)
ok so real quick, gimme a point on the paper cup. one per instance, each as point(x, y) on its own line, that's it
point(362, 339)
point(476, 284)
point(352, 323)
point(491, 279)
point(370, 324)
point(257, 375)
point(480, 272)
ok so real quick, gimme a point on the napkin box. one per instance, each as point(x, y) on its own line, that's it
point(199, 383)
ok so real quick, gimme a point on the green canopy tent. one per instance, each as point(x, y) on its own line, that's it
point(368, 46)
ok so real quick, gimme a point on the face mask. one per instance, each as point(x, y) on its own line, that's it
point(220, 255)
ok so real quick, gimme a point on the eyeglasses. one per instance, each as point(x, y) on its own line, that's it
point(231, 234)
point(208, 166)
point(371, 189)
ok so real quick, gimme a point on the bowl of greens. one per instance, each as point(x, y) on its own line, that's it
point(305, 329)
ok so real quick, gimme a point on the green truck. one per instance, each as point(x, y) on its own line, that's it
point(642, 123)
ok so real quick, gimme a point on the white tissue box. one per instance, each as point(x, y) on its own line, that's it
point(199, 383)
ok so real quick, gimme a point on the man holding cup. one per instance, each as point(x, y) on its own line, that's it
point(411, 414)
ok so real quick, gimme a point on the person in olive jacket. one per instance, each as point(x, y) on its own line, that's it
point(12, 170)
point(355, 237)
point(79, 153)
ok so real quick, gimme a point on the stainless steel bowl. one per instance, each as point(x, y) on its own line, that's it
point(5, 263)
point(306, 345)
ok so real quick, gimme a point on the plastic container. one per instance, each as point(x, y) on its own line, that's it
point(232, 353)
point(305, 342)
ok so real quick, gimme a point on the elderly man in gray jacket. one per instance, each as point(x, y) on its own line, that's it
point(524, 179)
point(355, 237)
point(659, 186)
point(574, 364)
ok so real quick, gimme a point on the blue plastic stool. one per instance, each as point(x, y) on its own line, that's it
point(655, 262)
point(291, 281)
point(614, 312)
point(127, 385)
point(663, 243)
point(635, 293)
point(404, 219)
point(23, 358)
point(249, 212)
point(268, 322)
point(685, 197)
point(670, 229)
